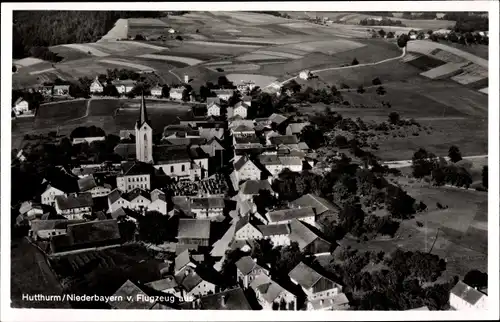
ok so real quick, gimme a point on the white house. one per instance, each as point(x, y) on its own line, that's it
point(314, 285)
point(176, 93)
point(117, 201)
point(247, 270)
point(74, 206)
point(30, 210)
point(192, 284)
point(96, 86)
point(245, 169)
point(251, 188)
point(464, 297)
point(240, 109)
point(213, 109)
point(158, 202)
point(207, 208)
point(138, 199)
point(245, 229)
point(134, 175)
point(156, 91)
point(88, 139)
point(21, 106)
point(124, 86)
point(245, 87)
point(224, 94)
point(49, 195)
point(272, 296)
point(88, 184)
point(305, 74)
point(278, 234)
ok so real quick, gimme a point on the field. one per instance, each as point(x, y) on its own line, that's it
point(459, 234)
point(184, 60)
point(68, 53)
point(429, 48)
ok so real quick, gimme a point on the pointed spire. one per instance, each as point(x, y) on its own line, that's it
point(143, 117)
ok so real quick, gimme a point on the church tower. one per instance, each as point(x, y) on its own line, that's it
point(143, 135)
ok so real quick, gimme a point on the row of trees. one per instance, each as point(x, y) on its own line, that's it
point(381, 22)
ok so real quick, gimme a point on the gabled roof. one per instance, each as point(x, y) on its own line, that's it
point(114, 195)
point(319, 204)
point(194, 228)
point(290, 161)
point(233, 299)
point(129, 289)
point(246, 265)
point(207, 203)
point(241, 162)
point(132, 168)
point(243, 221)
point(242, 128)
point(94, 231)
point(182, 260)
point(277, 118)
point(273, 230)
point(72, 201)
point(270, 291)
point(304, 236)
point(467, 293)
point(309, 278)
point(210, 133)
point(213, 100)
point(241, 104)
point(165, 154)
point(29, 205)
point(331, 302)
point(38, 225)
point(250, 139)
point(136, 193)
point(87, 183)
point(164, 284)
point(296, 128)
point(289, 214)
point(284, 139)
point(125, 150)
point(269, 159)
point(253, 187)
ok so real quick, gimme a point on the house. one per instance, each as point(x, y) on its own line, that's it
point(314, 285)
point(176, 93)
point(240, 109)
point(45, 229)
point(465, 297)
point(96, 86)
point(128, 296)
point(138, 199)
point(210, 134)
point(233, 299)
point(134, 174)
point(242, 130)
point(182, 261)
point(283, 140)
point(194, 231)
point(309, 239)
point(88, 184)
point(49, 195)
point(337, 302)
point(273, 296)
point(285, 216)
point(93, 233)
point(156, 91)
point(30, 210)
point(74, 206)
point(277, 119)
point(158, 202)
point(193, 284)
point(21, 106)
point(322, 207)
point(251, 188)
point(224, 94)
point(296, 128)
point(245, 169)
point(247, 100)
point(245, 87)
point(247, 270)
point(213, 106)
point(246, 229)
point(124, 86)
point(278, 234)
point(88, 139)
point(167, 285)
point(61, 90)
point(305, 74)
point(117, 201)
point(208, 207)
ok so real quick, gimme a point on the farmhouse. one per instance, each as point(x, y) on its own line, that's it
point(49, 195)
point(96, 86)
point(176, 93)
point(124, 86)
point(245, 169)
point(156, 91)
point(74, 206)
point(464, 297)
point(272, 296)
point(88, 139)
point(240, 109)
point(194, 283)
point(61, 90)
point(194, 231)
point(88, 184)
point(233, 299)
point(134, 174)
point(308, 239)
point(305, 74)
point(213, 108)
point(30, 210)
point(314, 285)
point(246, 229)
point(21, 106)
point(158, 202)
point(321, 206)
point(224, 94)
point(251, 188)
point(245, 86)
point(285, 216)
point(278, 234)
point(247, 270)
point(45, 229)
point(208, 207)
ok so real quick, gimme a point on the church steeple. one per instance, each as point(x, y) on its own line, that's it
point(143, 115)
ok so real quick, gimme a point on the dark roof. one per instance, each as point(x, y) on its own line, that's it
point(194, 228)
point(132, 168)
point(319, 204)
point(284, 139)
point(277, 118)
point(86, 183)
point(37, 225)
point(182, 260)
point(242, 128)
point(143, 115)
point(126, 150)
point(305, 275)
point(101, 215)
point(72, 201)
point(252, 187)
point(241, 162)
point(188, 279)
point(467, 293)
point(129, 289)
point(136, 193)
point(289, 214)
point(114, 195)
point(207, 203)
point(94, 231)
point(246, 265)
point(272, 230)
point(271, 290)
point(212, 100)
point(304, 236)
point(166, 283)
point(165, 154)
point(269, 159)
point(197, 153)
point(246, 139)
point(233, 299)
point(241, 223)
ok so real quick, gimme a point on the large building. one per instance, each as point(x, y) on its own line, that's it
point(143, 135)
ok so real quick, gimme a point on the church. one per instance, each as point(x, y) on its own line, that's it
point(175, 161)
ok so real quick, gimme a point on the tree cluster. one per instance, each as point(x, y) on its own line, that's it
point(382, 22)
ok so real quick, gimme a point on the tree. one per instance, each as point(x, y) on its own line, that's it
point(390, 35)
point(110, 90)
point(14, 68)
point(165, 91)
point(376, 81)
point(381, 90)
point(139, 37)
point(454, 154)
point(223, 82)
point(153, 227)
point(484, 176)
point(178, 38)
point(312, 136)
point(382, 33)
point(423, 163)
point(403, 40)
point(354, 62)
point(360, 90)
point(352, 218)
point(476, 279)
point(394, 118)
point(264, 201)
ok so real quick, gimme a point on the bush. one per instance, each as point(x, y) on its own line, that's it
point(354, 62)
point(14, 68)
point(361, 90)
point(381, 90)
point(179, 38)
point(376, 81)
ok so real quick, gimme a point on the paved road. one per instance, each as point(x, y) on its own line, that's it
point(407, 163)
point(346, 67)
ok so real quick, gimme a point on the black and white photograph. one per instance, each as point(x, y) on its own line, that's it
point(250, 160)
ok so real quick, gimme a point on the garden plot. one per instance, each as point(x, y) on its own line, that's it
point(29, 61)
point(329, 47)
point(445, 71)
point(422, 62)
point(471, 73)
point(184, 60)
point(259, 80)
point(126, 64)
point(447, 56)
point(69, 53)
point(86, 48)
point(427, 47)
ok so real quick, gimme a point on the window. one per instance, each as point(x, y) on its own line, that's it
point(171, 169)
point(183, 168)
